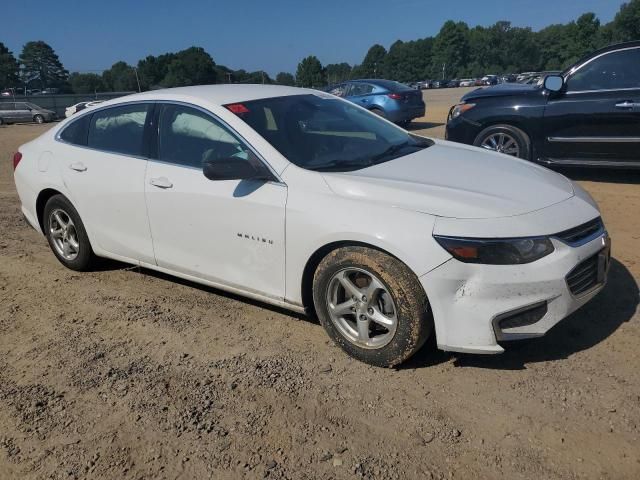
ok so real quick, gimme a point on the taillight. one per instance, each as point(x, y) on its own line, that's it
point(395, 96)
point(16, 159)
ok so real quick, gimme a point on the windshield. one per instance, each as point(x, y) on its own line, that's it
point(320, 132)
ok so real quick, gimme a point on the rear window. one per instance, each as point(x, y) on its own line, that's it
point(119, 129)
point(76, 132)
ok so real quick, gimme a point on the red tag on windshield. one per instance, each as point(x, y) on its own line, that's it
point(237, 108)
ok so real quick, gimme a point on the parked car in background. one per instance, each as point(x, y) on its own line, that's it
point(455, 83)
point(490, 80)
point(467, 82)
point(589, 115)
point(426, 84)
point(14, 112)
point(441, 83)
point(394, 101)
point(80, 106)
point(302, 200)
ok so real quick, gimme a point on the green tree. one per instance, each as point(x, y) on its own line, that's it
point(8, 68)
point(242, 76)
point(86, 83)
point(39, 59)
point(284, 78)
point(121, 77)
point(310, 73)
point(626, 24)
point(152, 70)
point(451, 50)
point(372, 65)
point(337, 72)
point(192, 66)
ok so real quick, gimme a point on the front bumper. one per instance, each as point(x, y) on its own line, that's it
point(471, 302)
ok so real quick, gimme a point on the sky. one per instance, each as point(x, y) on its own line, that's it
point(270, 35)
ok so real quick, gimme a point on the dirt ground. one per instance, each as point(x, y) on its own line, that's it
point(123, 373)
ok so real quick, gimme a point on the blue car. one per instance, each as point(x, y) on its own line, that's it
point(392, 100)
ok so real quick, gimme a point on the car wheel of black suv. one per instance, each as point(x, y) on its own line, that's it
point(505, 139)
point(371, 305)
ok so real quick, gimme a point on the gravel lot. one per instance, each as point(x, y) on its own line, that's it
point(126, 373)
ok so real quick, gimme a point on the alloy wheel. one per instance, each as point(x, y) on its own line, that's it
point(361, 308)
point(63, 234)
point(502, 143)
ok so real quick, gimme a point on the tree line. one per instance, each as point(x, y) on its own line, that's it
point(456, 51)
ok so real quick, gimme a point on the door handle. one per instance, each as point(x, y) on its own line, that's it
point(78, 167)
point(161, 182)
point(626, 104)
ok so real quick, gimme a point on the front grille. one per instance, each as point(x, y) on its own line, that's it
point(577, 234)
point(584, 276)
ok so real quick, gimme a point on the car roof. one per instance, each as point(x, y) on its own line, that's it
point(218, 94)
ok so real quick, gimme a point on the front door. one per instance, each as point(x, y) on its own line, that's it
point(229, 232)
point(596, 118)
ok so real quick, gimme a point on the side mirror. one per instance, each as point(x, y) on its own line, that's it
point(553, 83)
point(234, 168)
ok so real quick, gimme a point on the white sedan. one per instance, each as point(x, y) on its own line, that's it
point(78, 107)
point(309, 202)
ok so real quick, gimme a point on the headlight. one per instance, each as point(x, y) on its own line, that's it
point(461, 108)
point(501, 251)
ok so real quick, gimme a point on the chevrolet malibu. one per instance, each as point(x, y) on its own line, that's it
point(306, 201)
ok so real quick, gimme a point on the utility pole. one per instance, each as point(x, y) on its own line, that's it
point(228, 77)
point(444, 66)
point(137, 79)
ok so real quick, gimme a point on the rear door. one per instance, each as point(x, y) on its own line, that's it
point(103, 161)
point(360, 94)
point(7, 111)
point(596, 119)
point(22, 113)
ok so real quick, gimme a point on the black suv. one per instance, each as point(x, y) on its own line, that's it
point(589, 115)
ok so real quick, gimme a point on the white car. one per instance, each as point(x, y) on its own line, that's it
point(306, 201)
point(78, 107)
point(467, 82)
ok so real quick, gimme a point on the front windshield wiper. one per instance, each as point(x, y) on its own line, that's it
point(341, 165)
point(393, 149)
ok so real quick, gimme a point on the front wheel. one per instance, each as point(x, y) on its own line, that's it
point(371, 305)
point(66, 234)
point(505, 139)
point(38, 119)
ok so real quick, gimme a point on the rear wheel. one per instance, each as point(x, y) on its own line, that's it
point(66, 234)
point(38, 119)
point(505, 139)
point(378, 112)
point(371, 305)
point(1, 121)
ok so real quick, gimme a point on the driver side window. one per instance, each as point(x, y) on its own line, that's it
point(189, 137)
point(612, 71)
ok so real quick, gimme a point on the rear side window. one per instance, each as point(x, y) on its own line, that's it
point(119, 129)
point(76, 132)
point(6, 106)
point(360, 89)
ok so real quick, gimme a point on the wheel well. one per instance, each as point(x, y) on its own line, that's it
point(314, 261)
point(41, 201)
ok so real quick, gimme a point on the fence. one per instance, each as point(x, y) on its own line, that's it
point(59, 102)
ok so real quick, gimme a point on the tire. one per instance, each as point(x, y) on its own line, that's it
point(378, 112)
point(57, 212)
point(395, 298)
point(38, 118)
point(511, 136)
point(1, 121)
point(404, 123)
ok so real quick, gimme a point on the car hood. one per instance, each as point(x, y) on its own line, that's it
point(502, 90)
point(457, 181)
